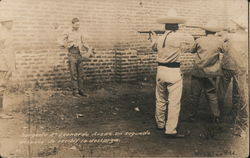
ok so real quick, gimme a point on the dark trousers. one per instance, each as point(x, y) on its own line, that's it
point(209, 86)
point(75, 67)
point(240, 88)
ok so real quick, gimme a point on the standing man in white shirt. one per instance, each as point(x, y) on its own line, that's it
point(169, 81)
point(75, 41)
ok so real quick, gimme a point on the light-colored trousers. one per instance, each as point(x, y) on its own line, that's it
point(168, 94)
point(3, 82)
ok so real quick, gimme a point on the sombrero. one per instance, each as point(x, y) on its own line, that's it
point(212, 26)
point(6, 19)
point(240, 21)
point(171, 18)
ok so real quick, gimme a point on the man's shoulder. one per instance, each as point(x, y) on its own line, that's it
point(212, 38)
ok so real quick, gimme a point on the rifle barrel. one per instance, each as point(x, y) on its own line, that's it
point(156, 31)
point(144, 31)
point(192, 26)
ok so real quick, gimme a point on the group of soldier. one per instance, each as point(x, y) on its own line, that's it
point(220, 54)
point(208, 66)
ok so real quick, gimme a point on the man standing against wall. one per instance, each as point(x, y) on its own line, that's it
point(75, 41)
point(206, 69)
point(7, 59)
point(234, 66)
point(169, 79)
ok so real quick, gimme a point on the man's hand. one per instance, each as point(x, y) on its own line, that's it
point(152, 36)
point(92, 52)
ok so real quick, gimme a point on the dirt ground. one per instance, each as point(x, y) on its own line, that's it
point(120, 116)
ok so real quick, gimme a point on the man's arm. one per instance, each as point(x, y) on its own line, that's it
point(154, 41)
point(63, 40)
point(187, 43)
point(86, 46)
point(194, 47)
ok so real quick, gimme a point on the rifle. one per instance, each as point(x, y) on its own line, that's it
point(163, 31)
point(192, 26)
point(151, 32)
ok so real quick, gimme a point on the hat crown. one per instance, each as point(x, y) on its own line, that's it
point(212, 23)
point(171, 18)
point(241, 20)
point(172, 13)
point(213, 26)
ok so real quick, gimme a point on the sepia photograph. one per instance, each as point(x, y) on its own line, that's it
point(124, 78)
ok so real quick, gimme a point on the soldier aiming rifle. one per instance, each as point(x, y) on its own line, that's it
point(151, 32)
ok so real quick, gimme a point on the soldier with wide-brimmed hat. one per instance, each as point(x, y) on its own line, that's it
point(169, 79)
point(206, 69)
point(234, 67)
point(7, 56)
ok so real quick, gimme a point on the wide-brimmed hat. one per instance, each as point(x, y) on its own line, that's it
point(213, 26)
point(171, 18)
point(6, 19)
point(240, 21)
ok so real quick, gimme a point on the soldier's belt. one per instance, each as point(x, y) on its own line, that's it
point(74, 50)
point(172, 65)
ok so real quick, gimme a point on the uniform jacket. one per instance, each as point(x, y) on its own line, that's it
point(236, 52)
point(207, 56)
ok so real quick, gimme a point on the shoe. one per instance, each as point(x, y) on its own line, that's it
point(174, 136)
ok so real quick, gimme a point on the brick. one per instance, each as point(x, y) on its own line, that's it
point(112, 27)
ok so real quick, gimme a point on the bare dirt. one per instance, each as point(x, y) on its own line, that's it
point(41, 117)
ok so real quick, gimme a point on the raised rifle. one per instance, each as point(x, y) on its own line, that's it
point(151, 32)
point(163, 31)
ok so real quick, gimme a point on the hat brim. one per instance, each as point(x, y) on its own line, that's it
point(212, 29)
point(238, 23)
point(171, 20)
point(6, 20)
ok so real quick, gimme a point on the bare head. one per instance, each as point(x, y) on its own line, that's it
point(75, 23)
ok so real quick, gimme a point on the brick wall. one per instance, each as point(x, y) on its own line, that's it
point(111, 26)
